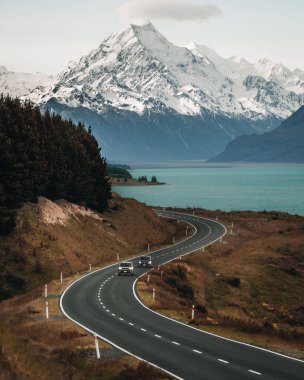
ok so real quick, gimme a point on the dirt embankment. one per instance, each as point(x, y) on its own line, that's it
point(54, 237)
point(249, 287)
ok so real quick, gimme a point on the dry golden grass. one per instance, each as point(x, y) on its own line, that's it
point(266, 307)
point(34, 348)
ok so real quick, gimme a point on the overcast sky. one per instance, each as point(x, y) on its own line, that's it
point(43, 35)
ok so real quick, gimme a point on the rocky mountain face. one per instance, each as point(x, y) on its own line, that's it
point(147, 99)
point(284, 144)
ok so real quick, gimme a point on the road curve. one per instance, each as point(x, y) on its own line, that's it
point(107, 305)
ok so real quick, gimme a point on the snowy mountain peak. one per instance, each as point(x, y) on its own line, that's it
point(20, 84)
point(239, 60)
point(191, 45)
point(139, 70)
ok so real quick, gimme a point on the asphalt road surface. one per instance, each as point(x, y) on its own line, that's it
point(107, 305)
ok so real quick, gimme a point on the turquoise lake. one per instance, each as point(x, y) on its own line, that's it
point(273, 188)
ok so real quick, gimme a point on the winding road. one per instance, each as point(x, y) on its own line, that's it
point(107, 305)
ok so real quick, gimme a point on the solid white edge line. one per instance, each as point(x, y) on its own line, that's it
point(191, 327)
point(255, 372)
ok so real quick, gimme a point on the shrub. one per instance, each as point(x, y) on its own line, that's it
point(180, 272)
point(201, 309)
point(232, 281)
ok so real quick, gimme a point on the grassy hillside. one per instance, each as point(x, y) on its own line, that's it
point(51, 237)
point(250, 288)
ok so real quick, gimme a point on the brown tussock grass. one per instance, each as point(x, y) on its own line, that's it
point(266, 257)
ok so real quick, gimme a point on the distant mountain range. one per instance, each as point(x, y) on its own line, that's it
point(21, 84)
point(147, 99)
point(284, 144)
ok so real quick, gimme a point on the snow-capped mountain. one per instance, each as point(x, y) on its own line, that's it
point(138, 69)
point(139, 80)
point(20, 84)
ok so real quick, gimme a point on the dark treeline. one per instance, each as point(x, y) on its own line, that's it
point(118, 171)
point(144, 179)
point(44, 155)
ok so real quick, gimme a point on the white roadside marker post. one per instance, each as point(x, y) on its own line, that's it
point(61, 277)
point(203, 249)
point(117, 256)
point(186, 232)
point(148, 247)
point(148, 279)
point(46, 310)
point(45, 291)
point(193, 213)
point(180, 257)
point(161, 273)
point(97, 347)
point(192, 312)
point(90, 267)
point(173, 240)
point(153, 294)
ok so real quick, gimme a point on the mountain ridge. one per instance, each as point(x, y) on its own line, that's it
point(139, 69)
point(284, 144)
point(138, 90)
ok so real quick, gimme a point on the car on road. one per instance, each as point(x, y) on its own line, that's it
point(126, 267)
point(145, 261)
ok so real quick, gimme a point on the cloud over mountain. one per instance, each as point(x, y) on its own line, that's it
point(177, 10)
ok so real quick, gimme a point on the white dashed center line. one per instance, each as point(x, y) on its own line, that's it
point(131, 324)
point(143, 330)
point(178, 344)
point(223, 361)
point(121, 319)
point(255, 372)
point(198, 352)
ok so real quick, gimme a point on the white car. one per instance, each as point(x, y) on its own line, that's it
point(126, 267)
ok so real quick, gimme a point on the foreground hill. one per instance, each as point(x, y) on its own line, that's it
point(249, 287)
point(147, 99)
point(53, 237)
point(284, 144)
